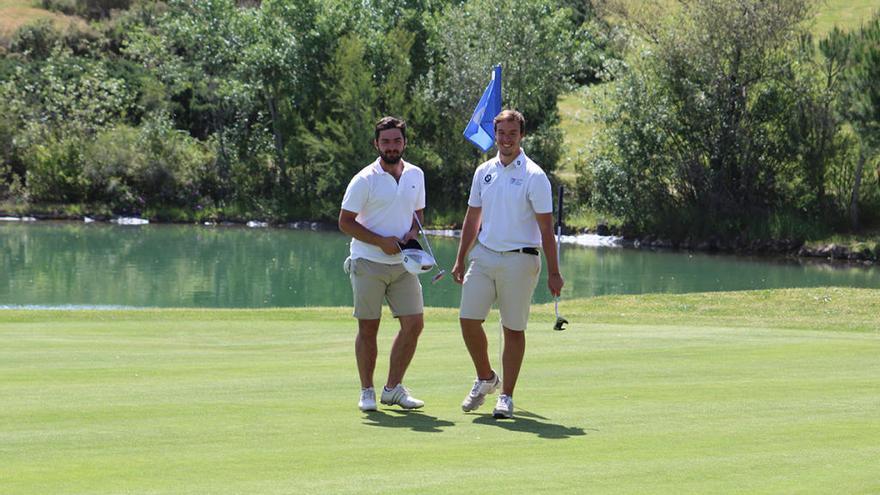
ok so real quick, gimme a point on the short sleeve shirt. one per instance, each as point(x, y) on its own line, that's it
point(510, 197)
point(384, 206)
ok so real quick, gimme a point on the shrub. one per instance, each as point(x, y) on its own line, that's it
point(54, 169)
point(152, 165)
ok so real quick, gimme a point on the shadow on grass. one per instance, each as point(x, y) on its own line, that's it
point(528, 422)
point(414, 420)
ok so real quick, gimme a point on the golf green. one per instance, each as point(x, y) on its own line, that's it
point(739, 392)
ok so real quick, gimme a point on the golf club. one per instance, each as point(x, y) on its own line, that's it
point(560, 321)
point(441, 273)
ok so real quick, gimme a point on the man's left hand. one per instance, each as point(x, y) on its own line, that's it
point(412, 234)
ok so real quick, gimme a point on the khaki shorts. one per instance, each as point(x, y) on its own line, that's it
point(372, 282)
point(508, 278)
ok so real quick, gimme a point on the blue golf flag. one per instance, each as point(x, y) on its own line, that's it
point(480, 129)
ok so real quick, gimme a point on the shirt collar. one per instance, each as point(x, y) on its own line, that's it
point(378, 166)
point(517, 162)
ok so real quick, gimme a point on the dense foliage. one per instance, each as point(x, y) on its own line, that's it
point(267, 109)
point(729, 124)
point(722, 119)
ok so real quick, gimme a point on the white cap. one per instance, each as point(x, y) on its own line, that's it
point(417, 261)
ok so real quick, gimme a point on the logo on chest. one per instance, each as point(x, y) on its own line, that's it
point(488, 178)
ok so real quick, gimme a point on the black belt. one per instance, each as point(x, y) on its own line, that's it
point(526, 250)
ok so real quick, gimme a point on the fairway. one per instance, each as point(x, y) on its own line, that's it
point(741, 392)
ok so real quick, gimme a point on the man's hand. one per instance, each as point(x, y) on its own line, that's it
point(555, 283)
point(389, 245)
point(412, 234)
point(458, 272)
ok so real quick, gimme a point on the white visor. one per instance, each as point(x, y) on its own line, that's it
point(417, 261)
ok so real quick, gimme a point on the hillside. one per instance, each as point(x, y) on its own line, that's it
point(17, 13)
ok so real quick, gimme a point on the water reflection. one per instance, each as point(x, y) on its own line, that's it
point(72, 264)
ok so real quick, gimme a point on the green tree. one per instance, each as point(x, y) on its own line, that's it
point(860, 96)
point(341, 143)
point(697, 138)
point(534, 42)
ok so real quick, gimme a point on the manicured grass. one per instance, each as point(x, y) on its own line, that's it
point(746, 392)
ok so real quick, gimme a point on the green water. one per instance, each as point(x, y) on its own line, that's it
point(73, 264)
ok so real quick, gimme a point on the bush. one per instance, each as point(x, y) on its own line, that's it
point(37, 39)
point(101, 9)
point(152, 165)
point(67, 7)
point(54, 170)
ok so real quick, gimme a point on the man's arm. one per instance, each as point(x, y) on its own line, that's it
point(469, 229)
point(349, 225)
point(548, 243)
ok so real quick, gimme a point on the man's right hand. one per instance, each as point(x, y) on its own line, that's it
point(390, 245)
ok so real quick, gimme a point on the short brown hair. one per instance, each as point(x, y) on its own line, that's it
point(510, 116)
point(386, 123)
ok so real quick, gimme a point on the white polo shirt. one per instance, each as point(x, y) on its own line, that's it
point(510, 197)
point(384, 206)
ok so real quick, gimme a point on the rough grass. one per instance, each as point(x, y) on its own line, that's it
point(746, 392)
point(16, 13)
point(845, 14)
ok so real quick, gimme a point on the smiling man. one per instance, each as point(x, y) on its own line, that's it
point(377, 212)
point(511, 208)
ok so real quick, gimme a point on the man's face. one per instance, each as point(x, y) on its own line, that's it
point(507, 138)
point(390, 145)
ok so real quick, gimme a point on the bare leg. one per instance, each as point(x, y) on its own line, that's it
point(404, 347)
point(365, 350)
point(514, 350)
point(477, 345)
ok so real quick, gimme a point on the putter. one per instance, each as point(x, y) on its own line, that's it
point(560, 321)
point(441, 273)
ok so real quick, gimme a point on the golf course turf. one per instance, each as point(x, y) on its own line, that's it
point(738, 392)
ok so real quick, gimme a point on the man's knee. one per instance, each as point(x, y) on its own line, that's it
point(412, 324)
point(368, 328)
point(470, 325)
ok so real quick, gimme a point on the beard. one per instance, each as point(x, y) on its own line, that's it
point(391, 157)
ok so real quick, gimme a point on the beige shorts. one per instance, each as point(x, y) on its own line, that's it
point(508, 278)
point(372, 282)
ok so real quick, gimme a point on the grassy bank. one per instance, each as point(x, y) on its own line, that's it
point(16, 13)
point(756, 392)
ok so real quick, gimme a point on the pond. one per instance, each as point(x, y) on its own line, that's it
point(66, 264)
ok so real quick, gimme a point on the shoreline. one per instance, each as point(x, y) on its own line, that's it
point(831, 254)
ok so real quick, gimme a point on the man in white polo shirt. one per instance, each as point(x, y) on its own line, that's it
point(377, 212)
point(511, 208)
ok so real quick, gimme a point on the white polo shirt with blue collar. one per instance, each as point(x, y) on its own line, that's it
point(384, 206)
point(510, 196)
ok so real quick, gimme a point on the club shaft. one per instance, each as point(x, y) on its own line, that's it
point(424, 237)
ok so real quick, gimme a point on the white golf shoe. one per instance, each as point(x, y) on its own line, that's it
point(481, 388)
point(504, 407)
point(368, 399)
point(400, 395)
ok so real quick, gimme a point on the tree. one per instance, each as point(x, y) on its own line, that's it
point(860, 97)
point(696, 140)
point(341, 142)
point(534, 43)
